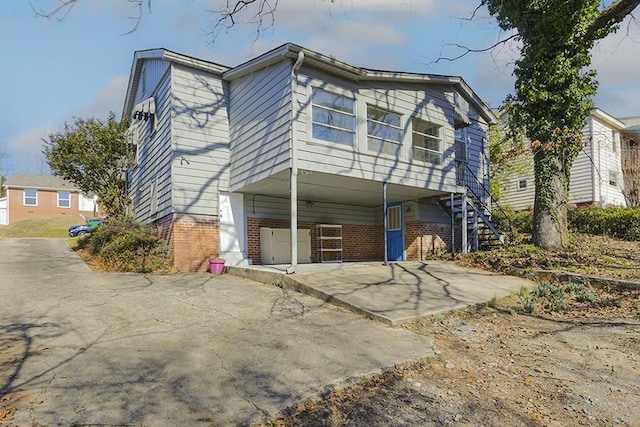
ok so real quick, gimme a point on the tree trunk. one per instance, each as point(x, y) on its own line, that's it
point(550, 206)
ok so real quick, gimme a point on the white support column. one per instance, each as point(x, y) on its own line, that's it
point(293, 153)
point(453, 225)
point(463, 225)
point(386, 225)
point(476, 243)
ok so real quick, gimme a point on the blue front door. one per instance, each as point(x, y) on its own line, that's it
point(394, 232)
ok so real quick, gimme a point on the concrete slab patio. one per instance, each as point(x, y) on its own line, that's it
point(393, 293)
point(83, 348)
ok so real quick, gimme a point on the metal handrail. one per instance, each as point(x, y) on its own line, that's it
point(475, 189)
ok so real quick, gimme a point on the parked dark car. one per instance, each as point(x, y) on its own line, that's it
point(79, 230)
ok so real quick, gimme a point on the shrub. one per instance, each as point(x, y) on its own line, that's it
point(129, 247)
point(521, 221)
point(621, 223)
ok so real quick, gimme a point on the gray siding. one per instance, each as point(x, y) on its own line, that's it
point(426, 102)
point(154, 165)
point(259, 206)
point(200, 131)
point(259, 114)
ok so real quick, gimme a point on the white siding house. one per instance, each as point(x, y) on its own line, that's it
point(596, 174)
point(299, 140)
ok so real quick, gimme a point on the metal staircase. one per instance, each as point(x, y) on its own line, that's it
point(472, 212)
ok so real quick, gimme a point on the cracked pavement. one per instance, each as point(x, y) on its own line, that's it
point(86, 348)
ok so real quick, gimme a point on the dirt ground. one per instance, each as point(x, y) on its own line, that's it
point(498, 366)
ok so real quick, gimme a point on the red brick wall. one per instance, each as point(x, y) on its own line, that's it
point(359, 242)
point(47, 206)
point(194, 239)
point(422, 238)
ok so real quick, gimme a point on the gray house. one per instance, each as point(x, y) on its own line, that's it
point(297, 157)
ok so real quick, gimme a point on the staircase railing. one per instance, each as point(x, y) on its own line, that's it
point(478, 189)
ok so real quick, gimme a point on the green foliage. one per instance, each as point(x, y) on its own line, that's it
point(94, 156)
point(553, 92)
point(129, 247)
point(621, 223)
point(506, 157)
point(552, 296)
point(521, 221)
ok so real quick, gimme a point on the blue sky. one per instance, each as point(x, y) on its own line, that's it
point(55, 70)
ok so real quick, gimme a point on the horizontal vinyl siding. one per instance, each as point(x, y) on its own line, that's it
point(580, 185)
point(427, 103)
point(518, 199)
point(200, 130)
point(259, 206)
point(154, 161)
point(259, 114)
point(607, 161)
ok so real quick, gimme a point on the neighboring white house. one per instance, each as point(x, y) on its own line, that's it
point(3, 211)
point(353, 162)
point(596, 174)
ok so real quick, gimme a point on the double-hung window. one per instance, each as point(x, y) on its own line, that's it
point(333, 117)
point(64, 199)
point(427, 142)
point(30, 197)
point(384, 131)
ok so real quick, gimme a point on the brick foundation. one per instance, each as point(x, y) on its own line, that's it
point(423, 238)
point(193, 239)
point(359, 242)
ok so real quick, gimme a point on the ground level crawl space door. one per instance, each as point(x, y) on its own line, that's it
point(275, 245)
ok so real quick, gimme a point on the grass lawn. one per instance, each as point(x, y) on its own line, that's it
point(41, 227)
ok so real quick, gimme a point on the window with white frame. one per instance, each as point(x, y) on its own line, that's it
point(427, 141)
point(522, 184)
point(333, 117)
point(614, 141)
point(613, 178)
point(30, 197)
point(384, 131)
point(64, 199)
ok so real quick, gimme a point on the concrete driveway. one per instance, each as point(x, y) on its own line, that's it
point(83, 348)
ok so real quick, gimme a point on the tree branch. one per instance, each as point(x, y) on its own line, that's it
point(467, 50)
point(610, 16)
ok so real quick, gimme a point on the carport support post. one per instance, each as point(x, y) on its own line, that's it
point(384, 203)
point(294, 220)
point(463, 225)
point(453, 226)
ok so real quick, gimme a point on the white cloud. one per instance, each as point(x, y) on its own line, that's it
point(617, 61)
point(111, 98)
point(24, 151)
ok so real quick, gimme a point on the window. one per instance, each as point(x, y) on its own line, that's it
point(613, 179)
point(614, 142)
point(427, 142)
point(333, 117)
point(384, 131)
point(64, 199)
point(394, 218)
point(31, 197)
point(522, 184)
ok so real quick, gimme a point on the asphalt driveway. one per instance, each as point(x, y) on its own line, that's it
point(86, 348)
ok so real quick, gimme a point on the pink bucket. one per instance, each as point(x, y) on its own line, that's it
point(216, 266)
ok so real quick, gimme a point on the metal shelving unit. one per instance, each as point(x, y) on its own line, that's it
point(329, 242)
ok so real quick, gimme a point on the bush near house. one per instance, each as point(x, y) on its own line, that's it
point(621, 223)
point(126, 247)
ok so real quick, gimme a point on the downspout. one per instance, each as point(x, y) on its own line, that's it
point(293, 180)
